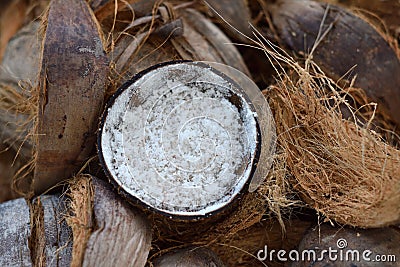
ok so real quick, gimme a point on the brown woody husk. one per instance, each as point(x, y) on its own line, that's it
point(343, 170)
point(81, 216)
point(71, 89)
point(364, 60)
point(343, 158)
point(106, 229)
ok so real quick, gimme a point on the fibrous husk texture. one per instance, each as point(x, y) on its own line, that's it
point(106, 229)
point(343, 170)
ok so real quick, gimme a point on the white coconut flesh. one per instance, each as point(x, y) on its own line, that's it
point(180, 139)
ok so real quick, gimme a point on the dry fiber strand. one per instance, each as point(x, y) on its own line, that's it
point(107, 230)
point(344, 171)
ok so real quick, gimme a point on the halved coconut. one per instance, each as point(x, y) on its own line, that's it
point(180, 138)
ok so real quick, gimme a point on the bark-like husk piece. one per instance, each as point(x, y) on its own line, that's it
point(34, 233)
point(12, 17)
point(382, 241)
point(198, 27)
point(351, 42)
point(18, 75)
point(199, 257)
point(72, 84)
point(21, 61)
point(8, 167)
point(118, 234)
point(199, 40)
point(386, 12)
point(104, 8)
point(236, 13)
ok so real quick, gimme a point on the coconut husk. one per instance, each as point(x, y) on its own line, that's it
point(386, 14)
point(342, 169)
point(73, 70)
point(34, 232)
point(192, 256)
point(106, 229)
point(233, 16)
point(9, 164)
point(18, 75)
point(16, 14)
point(382, 241)
point(354, 56)
point(11, 11)
point(241, 249)
point(171, 32)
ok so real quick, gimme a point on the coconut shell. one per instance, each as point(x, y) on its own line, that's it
point(34, 234)
point(72, 81)
point(348, 48)
point(384, 241)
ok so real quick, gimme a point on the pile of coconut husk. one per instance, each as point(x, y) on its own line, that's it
point(334, 96)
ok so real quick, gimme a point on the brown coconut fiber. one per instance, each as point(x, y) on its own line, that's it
point(342, 169)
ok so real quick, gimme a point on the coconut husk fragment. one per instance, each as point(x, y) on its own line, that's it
point(106, 229)
point(386, 14)
point(176, 33)
point(71, 89)
point(9, 165)
point(35, 232)
point(233, 16)
point(346, 47)
point(342, 169)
